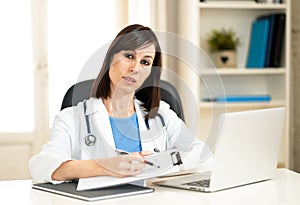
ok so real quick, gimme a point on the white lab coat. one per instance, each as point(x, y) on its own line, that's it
point(67, 135)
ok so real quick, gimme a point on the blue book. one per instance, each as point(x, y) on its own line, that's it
point(258, 43)
point(243, 98)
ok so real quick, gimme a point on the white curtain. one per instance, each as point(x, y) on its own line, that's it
point(139, 12)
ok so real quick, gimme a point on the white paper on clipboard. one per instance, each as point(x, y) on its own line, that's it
point(167, 161)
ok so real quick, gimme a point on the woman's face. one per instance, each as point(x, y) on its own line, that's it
point(130, 68)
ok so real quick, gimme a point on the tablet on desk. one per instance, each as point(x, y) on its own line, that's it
point(69, 189)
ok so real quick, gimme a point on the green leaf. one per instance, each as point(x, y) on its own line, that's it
point(223, 39)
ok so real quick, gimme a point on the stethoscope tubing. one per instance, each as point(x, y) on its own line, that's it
point(90, 139)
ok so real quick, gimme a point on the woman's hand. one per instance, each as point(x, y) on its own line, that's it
point(123, 165)
point(120, 166)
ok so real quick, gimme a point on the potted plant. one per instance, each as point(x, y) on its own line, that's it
point(223, 43)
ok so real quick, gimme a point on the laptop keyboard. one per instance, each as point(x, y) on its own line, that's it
point(199, 183)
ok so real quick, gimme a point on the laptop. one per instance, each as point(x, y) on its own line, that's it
point(247, 152)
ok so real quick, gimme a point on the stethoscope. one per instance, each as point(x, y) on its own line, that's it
point(90, 139)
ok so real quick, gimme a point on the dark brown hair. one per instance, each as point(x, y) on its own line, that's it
point(131, 38)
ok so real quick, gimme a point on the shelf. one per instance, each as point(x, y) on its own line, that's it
point(241, 5)
point(238, 15)
point(243, 71)
point(274, 103)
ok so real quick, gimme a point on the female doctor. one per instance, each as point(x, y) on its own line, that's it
point(85, 138)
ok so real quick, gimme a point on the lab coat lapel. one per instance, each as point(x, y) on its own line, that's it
point(155, 137)
point(103, 128)
point(145, 134)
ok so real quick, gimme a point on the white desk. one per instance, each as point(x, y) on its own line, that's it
point(284, 189)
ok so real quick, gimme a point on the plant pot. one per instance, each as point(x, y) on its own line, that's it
point(225, 59)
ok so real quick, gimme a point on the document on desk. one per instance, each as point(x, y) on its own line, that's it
point(167, 162)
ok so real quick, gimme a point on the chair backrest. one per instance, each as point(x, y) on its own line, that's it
point(81, 91)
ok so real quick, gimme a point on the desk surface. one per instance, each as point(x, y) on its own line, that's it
point(283, 189)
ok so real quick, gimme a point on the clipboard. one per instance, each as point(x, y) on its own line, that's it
point(168, 162)
point(69, 190)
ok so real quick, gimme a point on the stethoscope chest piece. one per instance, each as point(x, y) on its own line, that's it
point(90, 140)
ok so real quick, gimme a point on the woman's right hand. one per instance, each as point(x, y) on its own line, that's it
point(122, 165)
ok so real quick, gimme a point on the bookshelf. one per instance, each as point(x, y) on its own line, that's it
point(244, 71)
point(238, 15)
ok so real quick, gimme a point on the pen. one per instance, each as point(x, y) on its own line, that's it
point(122, 152)
point(151, 164)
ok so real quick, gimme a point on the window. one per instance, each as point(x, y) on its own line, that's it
point(16, 73)
point(77, 28)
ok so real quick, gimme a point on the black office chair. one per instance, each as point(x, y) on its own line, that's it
point(81, 91)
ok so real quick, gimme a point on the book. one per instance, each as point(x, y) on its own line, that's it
point(69, 190)
point(241, 98)
point(258, 43)
point(275, 40)
point(260, 1)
